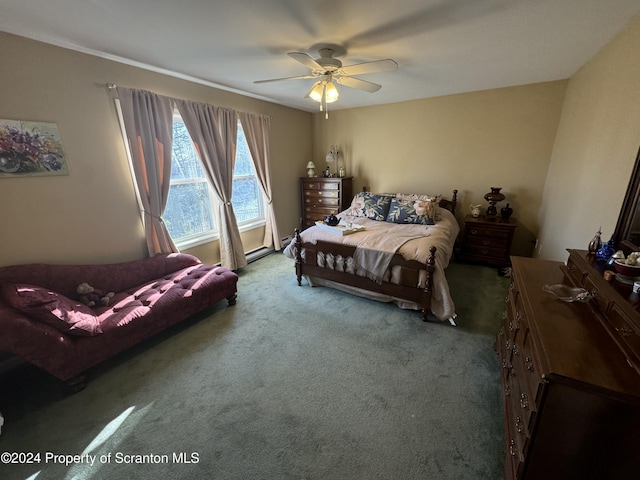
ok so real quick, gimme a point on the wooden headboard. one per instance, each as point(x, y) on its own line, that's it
point(450, 204)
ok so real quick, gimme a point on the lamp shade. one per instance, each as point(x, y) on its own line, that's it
point(331, 92)
point(323, 90)
point(316, 93)
point(311, 169)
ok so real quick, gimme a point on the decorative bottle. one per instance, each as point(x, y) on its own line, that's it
point(595, 243)
point(605, 252)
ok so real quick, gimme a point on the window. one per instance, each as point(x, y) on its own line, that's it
point(189, 211)
point(247, 194)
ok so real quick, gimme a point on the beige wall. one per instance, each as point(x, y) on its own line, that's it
point(91, 215)
point(595, 149)
point(562, 151)
point(471, 142)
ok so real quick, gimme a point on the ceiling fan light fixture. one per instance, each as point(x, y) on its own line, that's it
point(317, 92)
point(331, 92)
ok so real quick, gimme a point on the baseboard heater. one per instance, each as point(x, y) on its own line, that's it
point(258, 253)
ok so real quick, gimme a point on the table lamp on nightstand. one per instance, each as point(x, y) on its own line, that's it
point(311, 169)
point(493, 197)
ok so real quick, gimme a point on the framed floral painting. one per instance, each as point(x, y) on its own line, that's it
point(30, 149)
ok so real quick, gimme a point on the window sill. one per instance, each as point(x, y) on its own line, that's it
point(208, 238)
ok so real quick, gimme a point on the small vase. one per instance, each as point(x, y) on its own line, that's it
point(505, 212)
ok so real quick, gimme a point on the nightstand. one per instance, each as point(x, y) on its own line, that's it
point(487, 240)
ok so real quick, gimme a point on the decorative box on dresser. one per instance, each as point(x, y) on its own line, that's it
point(487, 240)
point(324, 196)
point(571, 392)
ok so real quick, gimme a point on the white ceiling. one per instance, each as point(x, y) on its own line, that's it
point(441, 46)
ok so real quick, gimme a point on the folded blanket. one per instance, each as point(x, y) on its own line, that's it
point(374, 259)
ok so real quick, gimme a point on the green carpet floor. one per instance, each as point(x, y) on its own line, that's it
point(290, 383)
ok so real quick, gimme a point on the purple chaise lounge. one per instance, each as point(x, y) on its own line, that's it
point(42, 322)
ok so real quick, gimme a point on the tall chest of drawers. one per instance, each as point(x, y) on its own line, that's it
point(571, 394)
point(324, 196)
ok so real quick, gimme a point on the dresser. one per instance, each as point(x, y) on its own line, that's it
point(571, 393)
point(487, 240)
point(324, 196)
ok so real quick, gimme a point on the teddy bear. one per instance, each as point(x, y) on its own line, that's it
point(92, 297)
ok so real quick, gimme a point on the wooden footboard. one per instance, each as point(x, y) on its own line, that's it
point(335, 270)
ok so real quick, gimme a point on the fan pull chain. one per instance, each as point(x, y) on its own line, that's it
point(323, 103)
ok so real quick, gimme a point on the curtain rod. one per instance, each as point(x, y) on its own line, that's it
point(113, 86)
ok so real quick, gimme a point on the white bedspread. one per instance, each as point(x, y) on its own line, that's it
point(414, 244)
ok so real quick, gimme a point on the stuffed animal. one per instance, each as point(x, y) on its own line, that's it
point(92, 297)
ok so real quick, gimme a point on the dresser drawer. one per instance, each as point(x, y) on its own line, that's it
point(314, 185)
point(482, 231)
point(516, 443)
point(482, 252)
point(321, 194)
point(498, 242)
point(574, 272)
point(625, 335)
point(319, 213)
point(322, 201)
point(600, 301)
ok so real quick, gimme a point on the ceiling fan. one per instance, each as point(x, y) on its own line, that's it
point(328, 69)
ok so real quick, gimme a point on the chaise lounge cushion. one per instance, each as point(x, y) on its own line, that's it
point(53, 308)
point(151, 294)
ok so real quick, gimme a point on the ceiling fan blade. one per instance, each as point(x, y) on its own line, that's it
point(306, 60)
point(300, 77)
point(357, 83)
point(370, 67)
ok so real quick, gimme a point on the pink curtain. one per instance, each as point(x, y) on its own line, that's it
point(257, 129)
point(148, 122)
point(214, 131)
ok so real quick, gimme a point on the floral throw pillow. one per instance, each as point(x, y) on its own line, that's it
point(434, 199)
point(370, 205)
point(412, 211)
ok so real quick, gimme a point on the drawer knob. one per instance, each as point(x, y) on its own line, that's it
point(512, 448)
point(524, 401)
point(624, 331)
point(528, 363)
point(519, 426)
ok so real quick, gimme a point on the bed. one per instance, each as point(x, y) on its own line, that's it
point(387, 247)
